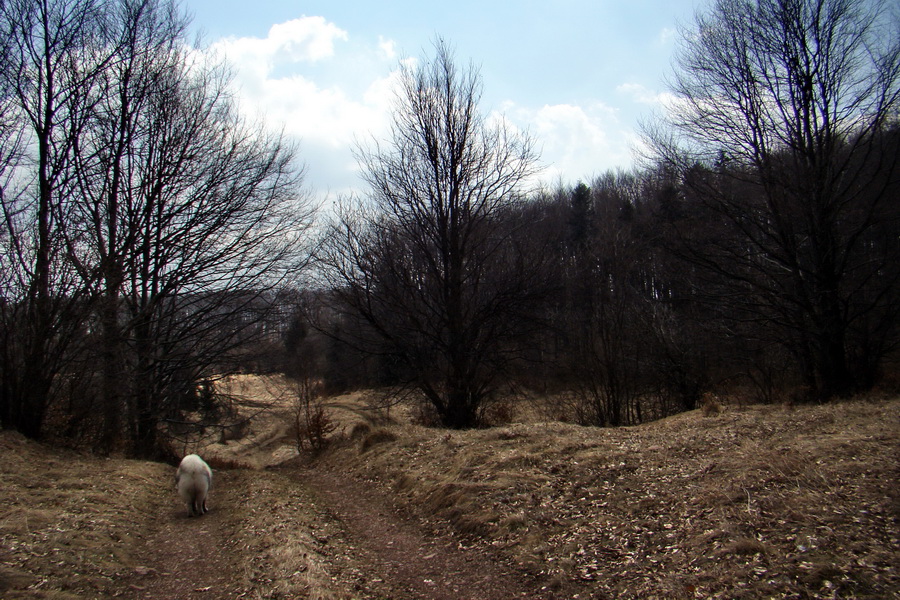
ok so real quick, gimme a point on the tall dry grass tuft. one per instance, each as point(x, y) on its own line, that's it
point(375, 438)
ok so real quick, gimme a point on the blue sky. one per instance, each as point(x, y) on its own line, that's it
point(579, 75)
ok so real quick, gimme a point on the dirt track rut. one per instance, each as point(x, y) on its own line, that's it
point(400, 557)
point(302, 533)
point(187, 558)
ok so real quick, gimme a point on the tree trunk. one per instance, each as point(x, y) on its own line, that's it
point(460, 410)
point(144, 431)
point(112, 374)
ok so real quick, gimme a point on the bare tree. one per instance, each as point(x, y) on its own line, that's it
point(427, 259)
point(189, 218)
point(54, 53)
point(98, 227)
point(780, 132)
point(153, 208)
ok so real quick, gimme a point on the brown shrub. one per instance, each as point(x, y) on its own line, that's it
point(426, 415)
point(312, 424)
point(499, 412)
point(710, 405)
point(234, 431)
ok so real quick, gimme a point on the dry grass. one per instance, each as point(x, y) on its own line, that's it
point(70, 525)
point(760, 501)
point(75, 526)
point(267, 403)
point(281, 537)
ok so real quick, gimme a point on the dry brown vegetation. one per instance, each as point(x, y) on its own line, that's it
point(69, 524)
point(76, 526)
point(761, 501)
point(758, 501)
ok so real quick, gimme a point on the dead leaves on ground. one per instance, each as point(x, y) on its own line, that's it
point(755, 502)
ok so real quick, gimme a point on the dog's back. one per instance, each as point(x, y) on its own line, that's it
point(193, 480)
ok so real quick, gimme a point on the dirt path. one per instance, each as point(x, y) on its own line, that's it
point(395, 555)
point(298, 533)
point(190, 558)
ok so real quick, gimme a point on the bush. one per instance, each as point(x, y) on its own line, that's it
point(312, 422)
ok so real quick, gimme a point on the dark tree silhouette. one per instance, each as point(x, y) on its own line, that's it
point(780, 135)
point(54, 54)
point(154, 208)
point(428, 259)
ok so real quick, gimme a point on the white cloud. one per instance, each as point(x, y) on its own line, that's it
point(642, 95)
point(311, 78)
point(388, 47)
point(307, 39)
point(666, 36)
point(276, 77)
point(576, 141)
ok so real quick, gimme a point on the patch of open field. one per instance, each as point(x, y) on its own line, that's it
point(761, 501)
point(77, 526)
point(755, 502)
point(70, 524)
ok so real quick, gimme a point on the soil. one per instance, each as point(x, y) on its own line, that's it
point(374, 551)
point(757, 501)
point(186, 558)
point(396, 556)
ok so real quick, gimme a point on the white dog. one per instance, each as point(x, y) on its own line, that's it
point(193, 480)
